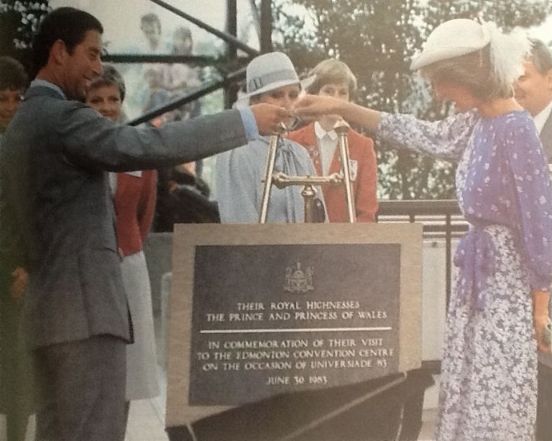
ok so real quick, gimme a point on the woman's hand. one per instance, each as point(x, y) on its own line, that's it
point(269, 117)
point(541, 319)
point(541, 323)
point(311, 107)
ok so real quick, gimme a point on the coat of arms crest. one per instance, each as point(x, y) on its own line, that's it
point(297, 280)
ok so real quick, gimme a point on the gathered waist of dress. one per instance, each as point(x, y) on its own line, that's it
point(476, 256)
point(479, 227)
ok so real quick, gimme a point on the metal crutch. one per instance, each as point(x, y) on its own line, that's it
point(282, 180)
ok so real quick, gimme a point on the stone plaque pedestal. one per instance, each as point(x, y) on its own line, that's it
point(293, 332)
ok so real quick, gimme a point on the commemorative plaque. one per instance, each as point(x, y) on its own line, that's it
point(259, 311)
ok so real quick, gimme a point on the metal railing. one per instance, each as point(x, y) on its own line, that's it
point(231, 66)
point(440, 219)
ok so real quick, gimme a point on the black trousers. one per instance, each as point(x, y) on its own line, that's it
point(544, 404)
point(82, 390)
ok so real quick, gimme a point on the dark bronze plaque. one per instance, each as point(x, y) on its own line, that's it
point(268, 319)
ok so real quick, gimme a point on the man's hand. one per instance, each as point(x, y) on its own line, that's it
point(20, 279)
point(540, 323)
point(270, 117)
point(541, 319)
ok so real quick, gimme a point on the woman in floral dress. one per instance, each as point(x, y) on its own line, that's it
point(498, 311)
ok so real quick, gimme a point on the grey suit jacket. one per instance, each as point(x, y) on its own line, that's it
point(546, 139)
point(57, 215)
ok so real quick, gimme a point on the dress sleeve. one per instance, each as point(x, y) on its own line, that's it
point(445, 139)
point(532, 200)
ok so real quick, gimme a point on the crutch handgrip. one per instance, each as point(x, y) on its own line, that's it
point(341, 127)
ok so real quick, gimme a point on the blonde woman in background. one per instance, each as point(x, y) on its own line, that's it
point(334, 78)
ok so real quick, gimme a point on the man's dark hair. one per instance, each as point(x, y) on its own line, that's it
point(66, 24)
point(12, 74)
point(541, 56)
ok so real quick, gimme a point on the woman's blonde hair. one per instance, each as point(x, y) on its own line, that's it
point(331, 71)
point(472, 71)
point(109, 77)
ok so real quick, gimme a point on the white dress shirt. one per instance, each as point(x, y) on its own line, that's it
point(327, 143)
point(541, 118)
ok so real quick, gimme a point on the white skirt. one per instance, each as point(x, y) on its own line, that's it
point(142, 377)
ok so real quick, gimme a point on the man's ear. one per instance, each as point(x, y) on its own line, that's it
point(58, 52)
point(548, 77)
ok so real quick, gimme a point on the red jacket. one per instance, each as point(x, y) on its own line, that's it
point(361, 150)
point(134, 208)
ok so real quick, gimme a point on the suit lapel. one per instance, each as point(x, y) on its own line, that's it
point(546, 138)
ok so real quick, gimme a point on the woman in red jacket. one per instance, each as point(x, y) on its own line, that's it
point(334, 78)
point(134, 200)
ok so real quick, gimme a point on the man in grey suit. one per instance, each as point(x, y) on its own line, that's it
point(534, 92)
point(57, 223)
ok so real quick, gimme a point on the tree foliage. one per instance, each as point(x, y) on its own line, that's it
point(18, 22)
point(377, 39)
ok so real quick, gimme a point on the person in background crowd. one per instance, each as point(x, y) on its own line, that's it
point(182, 198)
point(134, 201)
point(498, 313)
point(136, 75)
point(270, 78)
point(157, 95)
point(13, 82)
point(16, 398)
point(183, 43)
point(182, 77)
point(57, 222)
point(155, 75)
point(533, 90)
point(150, 24)
point(334, 78)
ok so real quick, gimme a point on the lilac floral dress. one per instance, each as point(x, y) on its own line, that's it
point(488, 375)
